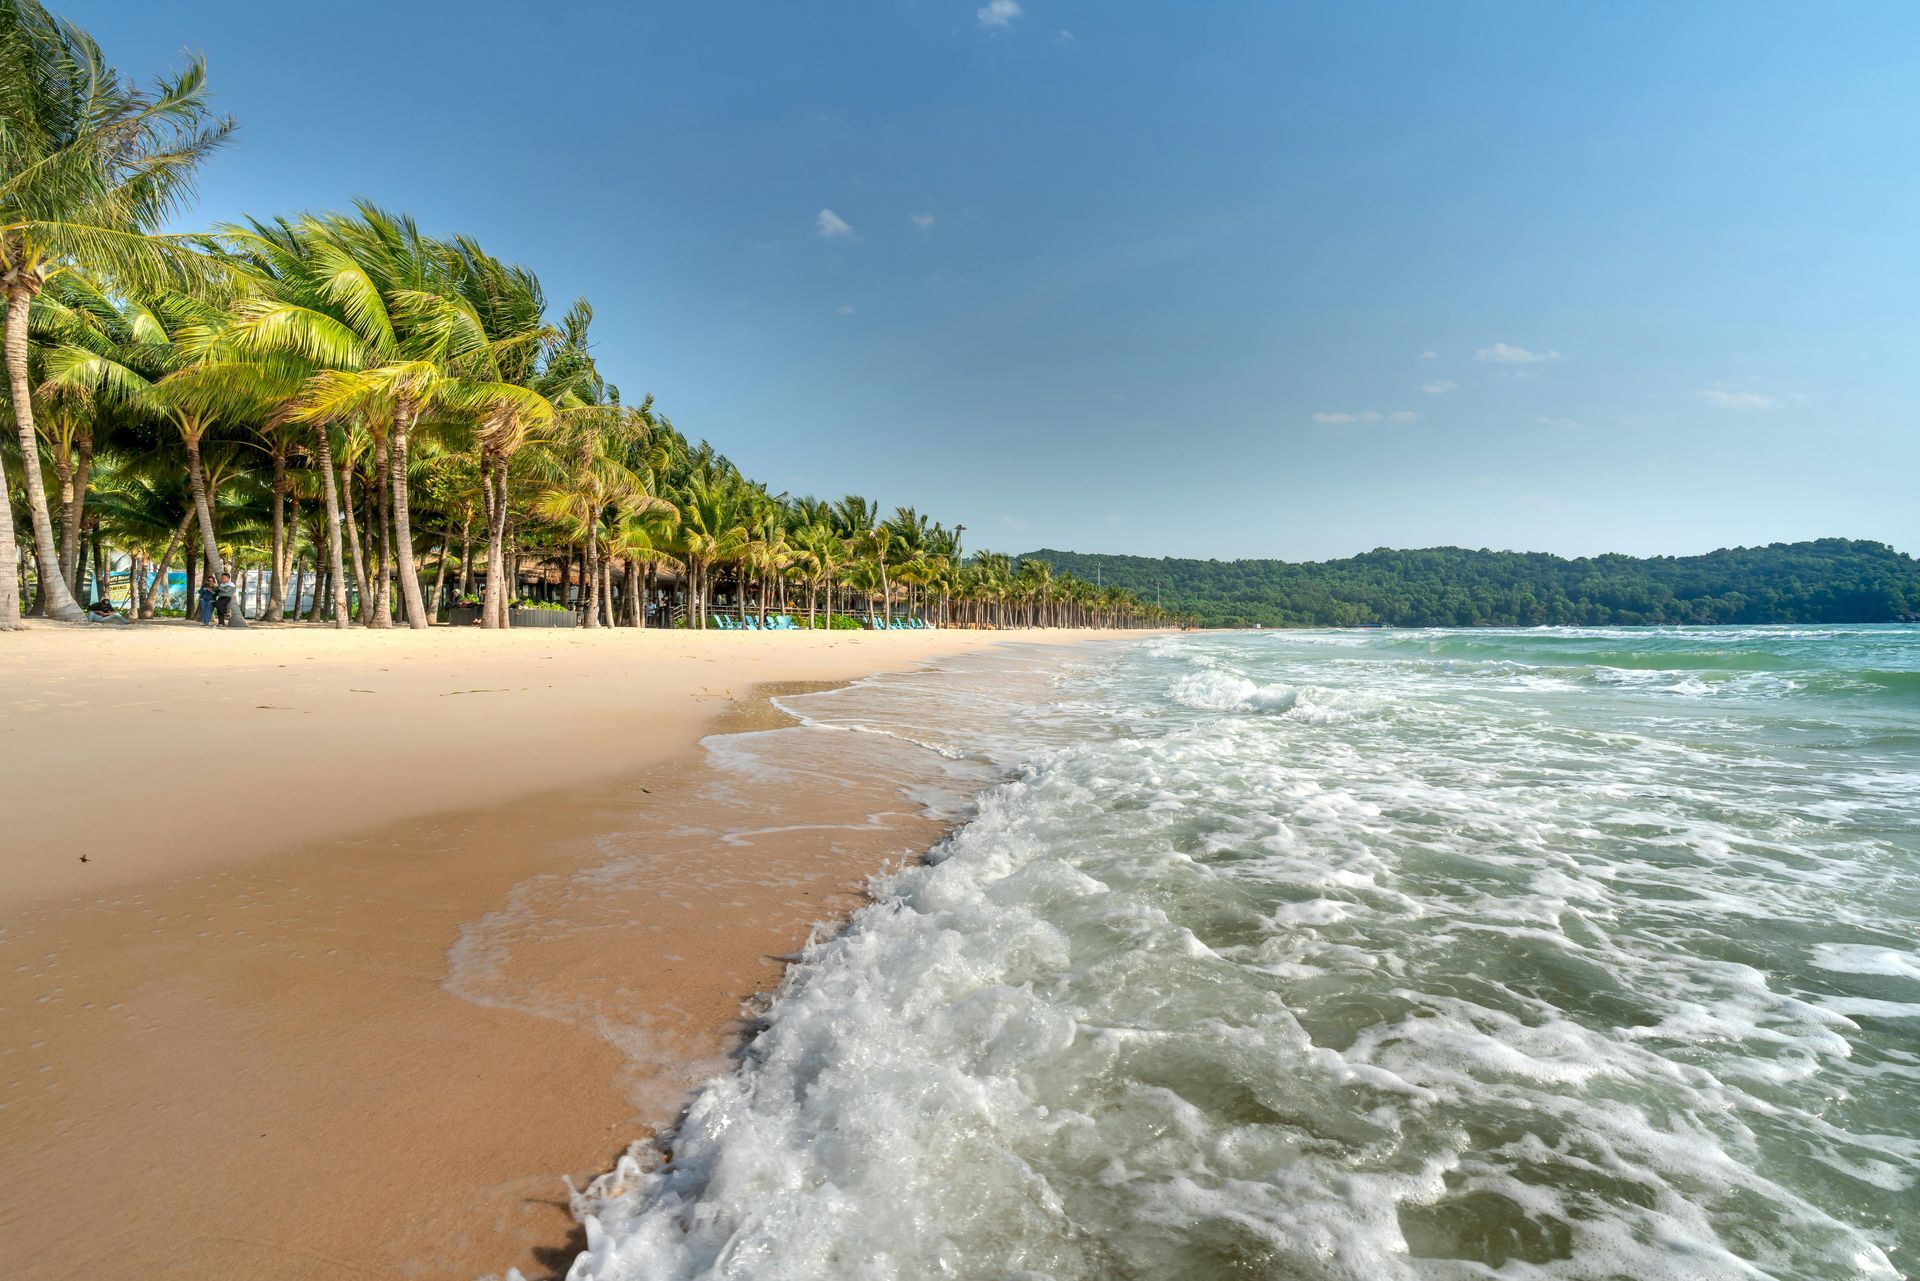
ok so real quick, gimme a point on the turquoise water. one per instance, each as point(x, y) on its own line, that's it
point(1367, 955)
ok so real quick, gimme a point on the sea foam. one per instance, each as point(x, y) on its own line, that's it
point(1491, 979)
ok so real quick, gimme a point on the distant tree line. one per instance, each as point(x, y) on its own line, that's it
point(1829, 580)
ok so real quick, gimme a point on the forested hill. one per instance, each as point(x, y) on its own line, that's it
point(1832, 580)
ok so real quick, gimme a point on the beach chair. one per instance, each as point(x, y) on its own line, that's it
point(722, 623)
point(785, 623)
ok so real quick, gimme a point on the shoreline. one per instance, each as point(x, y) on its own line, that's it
point(328, 1099)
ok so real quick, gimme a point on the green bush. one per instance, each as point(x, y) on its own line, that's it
point(552, 605)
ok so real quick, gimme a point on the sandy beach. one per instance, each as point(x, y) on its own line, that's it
point(234, 866)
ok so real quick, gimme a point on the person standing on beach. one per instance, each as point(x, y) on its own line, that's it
point(207, 595)
point(223, 598)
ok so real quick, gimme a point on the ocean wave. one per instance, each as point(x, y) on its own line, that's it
point(1220, 691)
point(1493, 980)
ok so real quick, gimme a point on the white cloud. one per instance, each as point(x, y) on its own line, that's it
point(1439, 388)
point(924, 221)
point(1339, 418)
point(1428, 355)
point(1063, 37)
point(1014, 522)
point(1504, 354)
point(998, 13)
point(1112, 519)
point(832, 225)
point(1721, 398)
point(1565, 424)
point(844, 309)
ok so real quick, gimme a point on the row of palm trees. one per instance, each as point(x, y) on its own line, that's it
point(380, 422)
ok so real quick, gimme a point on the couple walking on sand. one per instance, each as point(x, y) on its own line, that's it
point(217, 602)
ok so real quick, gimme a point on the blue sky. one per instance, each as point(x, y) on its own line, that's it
point(1205, 279)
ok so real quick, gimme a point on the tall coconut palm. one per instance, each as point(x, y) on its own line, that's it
point(511, 385)
point(90, 165)
point(584, 478)
point(712, 533)
point(858, 520)
point(645, 540)
point(369, 302)
point(819, 554)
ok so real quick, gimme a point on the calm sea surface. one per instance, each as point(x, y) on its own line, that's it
point(1359, 955)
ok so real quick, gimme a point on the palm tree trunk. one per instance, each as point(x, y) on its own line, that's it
point(10, 560)
point(493, 479)
point(277, 581)
point(353, 542)
point(590, 577)
point(73, 511)
point(102, 583)
point(382, 615)
point(203, 507)
point(336, 567)
point(439, 579)
point(58, 600)
point(69, 521)
point(510, 583)
point(150, 601)
point(466, 559)
point(403, 518)
point(323, 580)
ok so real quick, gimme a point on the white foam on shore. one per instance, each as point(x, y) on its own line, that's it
point(1463, 985)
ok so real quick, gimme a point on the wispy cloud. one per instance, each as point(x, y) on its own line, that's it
point(1063, 37)
point(1428, 355)
point(1014, 522)
point(844, 309)
point(924, 221)
point(998, 13)
point(1564, 424)
point(1506, 354)
point(833, 226)
point(1722, 398)
point(1440, 387)
point(1342, 417)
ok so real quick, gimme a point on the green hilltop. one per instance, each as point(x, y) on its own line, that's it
point(1828, 580)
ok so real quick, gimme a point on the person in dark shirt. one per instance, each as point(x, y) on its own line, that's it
point(223, 598)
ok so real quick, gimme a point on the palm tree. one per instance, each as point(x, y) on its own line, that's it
point(819, 553)
point(146, 514)
point(858, 520)
point(512, 386)
point(712, 531)
point(90, 164)
point(369, 302)
point(644, 539)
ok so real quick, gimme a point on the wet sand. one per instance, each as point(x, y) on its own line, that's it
point(234, 1046)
